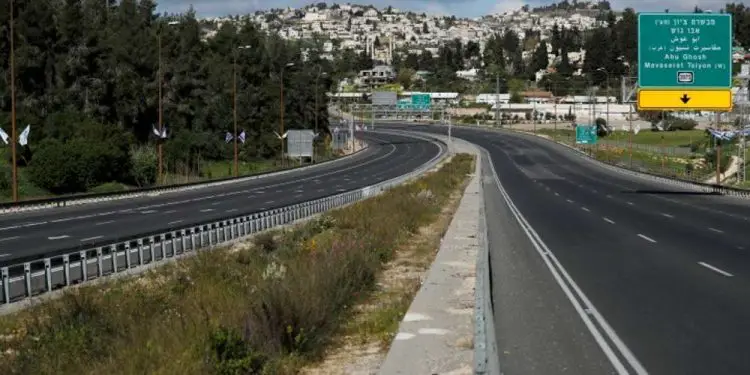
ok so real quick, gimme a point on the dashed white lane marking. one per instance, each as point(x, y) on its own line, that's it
point(216, 203)
point(34, 224)
point(279, 191)
point(569, 201)
point(321, 190)
point(170, 211)
point(647, 238)
point(91, 238)
point(148, 212)
point(298, 195)
point(299, 191)
point(340, 190)
point(631, 203)
point(232, 210)
point(4, 255)
point(105, 222)
point(594, 191)
point(433, 331)
point(557, 194)
point(715, 269)
point(609, 196)
point(269, 202)
point(207, 210)
point(608, 220)
point(404, 336)
point(52, 238)
point(9, 238)
point(716, 230)
point(175, 222)
point(667, 215)
point(585, 209)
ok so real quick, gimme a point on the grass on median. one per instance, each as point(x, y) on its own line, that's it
point(265, 306)
point(679, 138)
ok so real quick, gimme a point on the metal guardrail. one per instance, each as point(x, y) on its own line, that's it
point(78, 199)
point(24, 280)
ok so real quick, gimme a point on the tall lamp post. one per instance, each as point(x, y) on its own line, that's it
point(234, 110)
point(14, 161)
point(607, 75)
point(281, 108)
point(317, 78)
point(161, 107)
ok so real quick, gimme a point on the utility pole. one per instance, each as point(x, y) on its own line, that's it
point(497, 99)
point(13, 130)
point(281, 107)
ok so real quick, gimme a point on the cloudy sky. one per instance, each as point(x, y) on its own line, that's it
point(461, 8)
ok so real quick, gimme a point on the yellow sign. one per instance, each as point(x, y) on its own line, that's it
point(676, 100)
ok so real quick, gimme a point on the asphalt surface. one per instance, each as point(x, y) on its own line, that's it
point(663, 273)
point(39, 232)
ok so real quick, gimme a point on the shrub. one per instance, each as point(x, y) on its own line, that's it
point(680, 124)
point(143, 161)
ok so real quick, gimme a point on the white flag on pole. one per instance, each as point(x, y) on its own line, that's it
point(4, 136)
point(23, 139)
point(242, 137)
point(228, 137)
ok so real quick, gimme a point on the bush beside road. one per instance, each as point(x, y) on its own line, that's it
point(268, 305)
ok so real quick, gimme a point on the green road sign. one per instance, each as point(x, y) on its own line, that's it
point(421, 101)
point(586, 134)
point(684, 50)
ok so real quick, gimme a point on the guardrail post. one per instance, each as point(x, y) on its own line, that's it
point(183, 240)
point(84, 266)
point(113, 252)
point(128, 262)
point(174, 242)
point(6, 285)
point(48, 274)
point(192, 239)
point(151, 249)
point(139, 244)
point(66, 268)
point(27, 278)
point(99, 256)
point(162, 241)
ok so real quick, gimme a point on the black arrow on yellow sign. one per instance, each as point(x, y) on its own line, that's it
point(685, 98)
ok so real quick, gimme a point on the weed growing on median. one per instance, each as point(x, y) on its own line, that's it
point(265, 306)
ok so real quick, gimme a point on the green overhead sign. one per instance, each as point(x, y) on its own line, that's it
point(684, 51)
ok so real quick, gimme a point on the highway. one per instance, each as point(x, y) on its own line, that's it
point(28, 234)
point(597, 272)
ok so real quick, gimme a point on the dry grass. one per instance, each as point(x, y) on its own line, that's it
point(268, 306)
point(362, 344)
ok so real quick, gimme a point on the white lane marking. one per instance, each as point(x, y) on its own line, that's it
point(232, 210)
point(561, 276)
point(4, 255)
point(279, 191)
point(9, 238)
point(11, 227)
point(216, 203)
point(148, 212)
point(269, 202)
point(594, 191)
point(260, 192)
point(91, 238)
point(557, 194)
point(716, 230)
point(340, 190)
point(298, 195)
point(170, 211)
point(299, 191)
point(609, 196)
point(207, 210)
point(715, 269)
point(34, 224)
point(631, 203)
point(585, 209)
point(72, 218)
point(175, 222)
point(52, 238)
point(321, 190)
point(667, 215)
point(569, 201)
point(105, 222)
point(647, 238)
point(608, 220)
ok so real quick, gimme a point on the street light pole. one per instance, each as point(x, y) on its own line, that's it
point(281, 107)
point(13, 130)
point(234, 114)
point(317, 78)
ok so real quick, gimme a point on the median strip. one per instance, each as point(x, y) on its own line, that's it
point(272, 305)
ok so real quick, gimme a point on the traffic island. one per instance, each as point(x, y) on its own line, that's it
point(273, 304)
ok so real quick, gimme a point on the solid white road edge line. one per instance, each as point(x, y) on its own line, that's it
point(649, 239)
point(716, 269)
point(559, 272)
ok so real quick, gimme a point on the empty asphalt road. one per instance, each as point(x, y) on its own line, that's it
point(36, 233)
point(596, 272)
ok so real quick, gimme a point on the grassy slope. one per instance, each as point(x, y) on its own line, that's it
point(266, 307)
